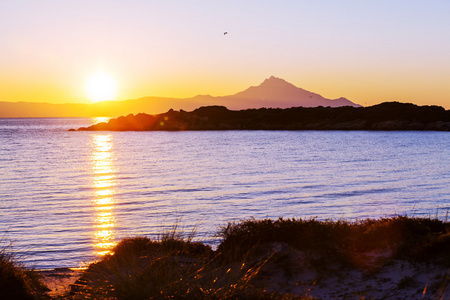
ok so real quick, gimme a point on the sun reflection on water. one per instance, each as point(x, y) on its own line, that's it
point(103, 182)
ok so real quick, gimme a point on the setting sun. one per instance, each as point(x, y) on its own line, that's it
point(101, 86)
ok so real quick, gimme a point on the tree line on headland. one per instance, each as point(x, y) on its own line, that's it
point(384, 116)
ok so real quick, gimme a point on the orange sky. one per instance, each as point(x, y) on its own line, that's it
point(366, 51)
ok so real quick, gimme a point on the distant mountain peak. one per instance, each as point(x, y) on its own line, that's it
point(272, 80)
point(277, 92)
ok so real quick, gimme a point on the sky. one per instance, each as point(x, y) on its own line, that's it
point(367, 51)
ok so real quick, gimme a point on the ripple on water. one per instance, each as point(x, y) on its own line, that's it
point(65, 193)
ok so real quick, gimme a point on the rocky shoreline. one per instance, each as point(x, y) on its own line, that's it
point(385, 117)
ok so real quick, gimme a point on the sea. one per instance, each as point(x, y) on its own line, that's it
point(67, 198)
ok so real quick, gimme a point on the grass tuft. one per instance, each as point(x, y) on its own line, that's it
point(173, 267)
point(339, 241)
point(15, 281)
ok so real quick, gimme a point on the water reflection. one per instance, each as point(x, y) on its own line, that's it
point(103, 182)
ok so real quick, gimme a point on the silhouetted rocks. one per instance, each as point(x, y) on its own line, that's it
point(385, 116)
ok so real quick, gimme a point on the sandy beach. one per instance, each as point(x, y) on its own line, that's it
point(59, 280)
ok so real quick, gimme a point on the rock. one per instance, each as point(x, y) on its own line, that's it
point(385, 116)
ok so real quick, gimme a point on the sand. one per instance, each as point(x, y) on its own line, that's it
point(377, 276)
point(59, 280)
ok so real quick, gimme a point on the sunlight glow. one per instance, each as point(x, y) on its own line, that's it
point(104, 201)
point(103, 183)
point(100, 120)
point(101, 86)
point(104, 234)
point(108, 192)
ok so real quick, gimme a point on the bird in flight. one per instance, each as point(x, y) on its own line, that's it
point(226, 32)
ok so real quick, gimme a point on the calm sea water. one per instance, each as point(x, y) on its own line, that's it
point(67, 197)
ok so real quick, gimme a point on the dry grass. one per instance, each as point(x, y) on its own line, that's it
point(15, 281)
point(251, 255)
point(408, 238)
point(172, 268)
point(241, 267)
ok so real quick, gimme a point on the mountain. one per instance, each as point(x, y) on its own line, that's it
point(271, 93)
point(276, 92)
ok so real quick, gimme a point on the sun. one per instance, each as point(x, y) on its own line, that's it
point(101, 86)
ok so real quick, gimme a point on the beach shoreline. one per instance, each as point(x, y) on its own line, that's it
point(378, 279)
point(390, 258)
point(59, 280)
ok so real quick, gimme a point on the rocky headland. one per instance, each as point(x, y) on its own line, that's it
point(384, 116)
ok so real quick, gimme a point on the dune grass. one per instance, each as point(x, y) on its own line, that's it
point(174, 267)
point(408, 238)
point(251, 255)
point(16, 282)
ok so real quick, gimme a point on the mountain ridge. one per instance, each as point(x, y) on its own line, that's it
point(278, 90)
point(273, 92)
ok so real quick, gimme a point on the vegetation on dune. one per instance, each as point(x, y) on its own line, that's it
point(256, 259)
point(252, 251)
point(171, 268)
point(15, 281)
point(407, 238)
